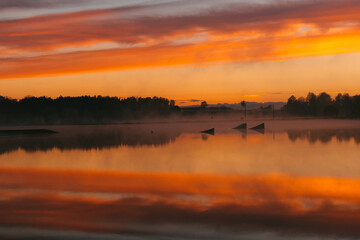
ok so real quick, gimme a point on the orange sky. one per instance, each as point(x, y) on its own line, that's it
point(224, 52)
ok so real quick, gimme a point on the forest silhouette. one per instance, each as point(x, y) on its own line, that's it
point(79, 110)
point(100, 109)
point(343, 105)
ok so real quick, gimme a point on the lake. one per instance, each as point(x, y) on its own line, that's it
point(298, 179)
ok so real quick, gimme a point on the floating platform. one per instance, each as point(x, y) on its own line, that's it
point(259, 127)
point(209, 131)
point(241, 126)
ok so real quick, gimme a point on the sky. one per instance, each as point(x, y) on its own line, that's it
point(218, 51)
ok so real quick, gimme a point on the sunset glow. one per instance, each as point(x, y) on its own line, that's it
point(179, 119)
point(240, 43)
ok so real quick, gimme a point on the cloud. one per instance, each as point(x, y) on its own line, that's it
point(113, 23)
point(4, 4)
point(34, 4)
point(189, 101)
point(172, 55)
point(231, 33)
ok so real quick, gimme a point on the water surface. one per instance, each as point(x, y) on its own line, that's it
point(298, 179)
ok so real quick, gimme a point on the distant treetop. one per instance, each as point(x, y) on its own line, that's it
point(83, 109)
point(323, 105)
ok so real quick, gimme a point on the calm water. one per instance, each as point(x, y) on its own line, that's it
point(298, 180)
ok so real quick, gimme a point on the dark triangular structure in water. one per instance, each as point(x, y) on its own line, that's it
point(209, 131)
point(241, 126)
point(259, 127)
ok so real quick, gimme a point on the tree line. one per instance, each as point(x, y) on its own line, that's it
point(84, 109)
point(343, 105)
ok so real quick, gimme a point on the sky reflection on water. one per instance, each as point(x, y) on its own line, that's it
point(124, 182)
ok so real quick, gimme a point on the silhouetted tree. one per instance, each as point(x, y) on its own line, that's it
point(84, 109)
point(243, 104)
point(204, 105)
point(324, 105)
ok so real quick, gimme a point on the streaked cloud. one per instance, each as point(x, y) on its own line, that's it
point(232, 33)
point(35, 3)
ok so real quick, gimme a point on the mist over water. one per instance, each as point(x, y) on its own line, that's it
point(297, 179)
